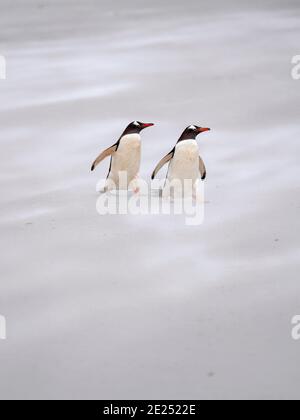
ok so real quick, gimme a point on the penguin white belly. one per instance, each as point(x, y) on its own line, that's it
point(185, 162)
point(126, 159)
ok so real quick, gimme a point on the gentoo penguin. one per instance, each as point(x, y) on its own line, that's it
point(184, 160)
point(125, 157)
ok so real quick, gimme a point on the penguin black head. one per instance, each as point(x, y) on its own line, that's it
point(192, 131)
point(136, 127)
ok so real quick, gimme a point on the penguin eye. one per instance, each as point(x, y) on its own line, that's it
point(192, 127)
point(136, 123)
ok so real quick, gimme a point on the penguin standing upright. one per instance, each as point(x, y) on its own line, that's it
point(125, 157)
point(184, 160)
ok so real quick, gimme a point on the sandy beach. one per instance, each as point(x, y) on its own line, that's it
point(145, 307)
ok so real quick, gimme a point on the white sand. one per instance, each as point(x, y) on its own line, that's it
point(146, 307)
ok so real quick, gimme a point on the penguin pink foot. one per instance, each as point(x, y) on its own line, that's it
point(136, 188)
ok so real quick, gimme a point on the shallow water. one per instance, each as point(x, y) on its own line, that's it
point(147, 307)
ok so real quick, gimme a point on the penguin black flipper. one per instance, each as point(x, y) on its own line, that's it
point(107, 152)
point(162, 162)
point(202, 168)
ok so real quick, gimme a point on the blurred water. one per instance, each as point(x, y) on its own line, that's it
point(146, 307)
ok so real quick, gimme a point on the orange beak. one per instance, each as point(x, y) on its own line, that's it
point(145, 125)
point(202, 129)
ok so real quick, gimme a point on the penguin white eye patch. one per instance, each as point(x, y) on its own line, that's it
point(136, 123)
point(192, 127)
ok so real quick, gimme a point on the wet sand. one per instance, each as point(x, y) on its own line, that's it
point(146, 307)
